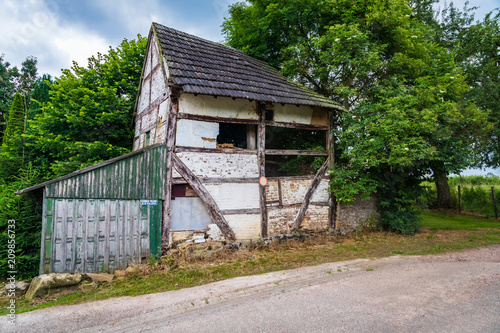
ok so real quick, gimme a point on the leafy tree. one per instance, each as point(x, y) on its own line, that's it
point(89, 115)
point(405, 93)
point(27, 78)
point(478, 52)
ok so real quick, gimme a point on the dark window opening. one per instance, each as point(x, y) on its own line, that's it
point(148, 138)
point(290, 165)
point(295, 139)
point(269, 115)
point(232, 136)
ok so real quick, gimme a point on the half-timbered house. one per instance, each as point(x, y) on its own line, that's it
point(214, 129)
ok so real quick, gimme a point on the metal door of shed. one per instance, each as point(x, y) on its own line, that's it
point(98, 235)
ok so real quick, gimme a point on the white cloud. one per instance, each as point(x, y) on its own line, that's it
point(31, 27)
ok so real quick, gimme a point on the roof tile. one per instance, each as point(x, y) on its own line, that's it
point(204, 67)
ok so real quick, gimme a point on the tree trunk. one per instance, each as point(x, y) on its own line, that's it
point(443, 189)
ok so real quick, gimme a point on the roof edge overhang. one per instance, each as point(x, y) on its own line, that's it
point(87, 169)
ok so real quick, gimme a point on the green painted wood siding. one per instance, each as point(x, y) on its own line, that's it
point(96, 235)
point(137, 177)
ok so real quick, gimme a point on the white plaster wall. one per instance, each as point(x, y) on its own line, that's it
point(293, 114)
point(143, 102)
point(224, 107)
point(235, 196)
point(221, 165)
point(245, 226)
point(321, 194)
point(193, 133)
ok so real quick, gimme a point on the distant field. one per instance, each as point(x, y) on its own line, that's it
point(476, 193)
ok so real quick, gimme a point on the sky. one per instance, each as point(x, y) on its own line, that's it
point(58, 32)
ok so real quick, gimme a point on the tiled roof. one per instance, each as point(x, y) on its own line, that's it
point(204, 67)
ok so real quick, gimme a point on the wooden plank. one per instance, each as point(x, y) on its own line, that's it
point(41, 268)
point(74, 232)
point(182, 149)
point(332, 211)
point(297, 126)
point(308, 196)
point(213, 181)
point(295, 152)
point(212, 119)
point(240, 211)
point(84, 234)
point(261, 148)
point(107, 228)
point(280, 193)
point(311, 177)
point(205, 196)
point(170, 142)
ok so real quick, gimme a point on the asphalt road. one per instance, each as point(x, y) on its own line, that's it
point(457, 292)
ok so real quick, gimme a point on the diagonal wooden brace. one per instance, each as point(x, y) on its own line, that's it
point(310, 191)
point(207, 199)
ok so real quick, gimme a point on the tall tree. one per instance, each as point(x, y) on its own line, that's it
point(7, 90)
point(89, 115)
point(12, 145)
point(405, 93)
point(478, 52)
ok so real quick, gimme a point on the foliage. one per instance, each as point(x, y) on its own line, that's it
point(475, 190)
point(478, 52)
point(407, 114)
point(7, 89)
point(26, 210)
point(27, 78)
point(90, 112)
point(11, 156)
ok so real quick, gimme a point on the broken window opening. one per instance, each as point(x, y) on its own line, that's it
point(292, 165)
point(148, 138)
point(232, 136)
point(294, 139)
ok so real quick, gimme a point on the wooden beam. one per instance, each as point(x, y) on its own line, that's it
point(308, 196)
point(182, 149)
point(280, 194)
point(241, 211)
point(297, 126)
point(212, 119)
point(295, 152)
point(213, 180)
point(205, 196)
point(261, 152)
point(332, 211)
point(251, 122)
point(173, 109)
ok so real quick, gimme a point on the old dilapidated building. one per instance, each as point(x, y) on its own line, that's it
point(214, 130)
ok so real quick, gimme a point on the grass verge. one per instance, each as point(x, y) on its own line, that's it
point(442, 231)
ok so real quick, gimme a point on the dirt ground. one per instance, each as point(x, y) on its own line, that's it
point(454, 292)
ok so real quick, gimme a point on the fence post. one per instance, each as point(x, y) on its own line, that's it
point(459, 200)
point(494, 201)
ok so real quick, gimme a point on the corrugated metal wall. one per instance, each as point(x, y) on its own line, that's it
point(140, 176)
point(98, 235)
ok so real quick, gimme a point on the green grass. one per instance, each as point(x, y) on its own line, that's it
point(444, 220)
point(441, 232)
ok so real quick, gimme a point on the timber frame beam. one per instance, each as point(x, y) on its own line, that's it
point(205, 196)
point(310, 191)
